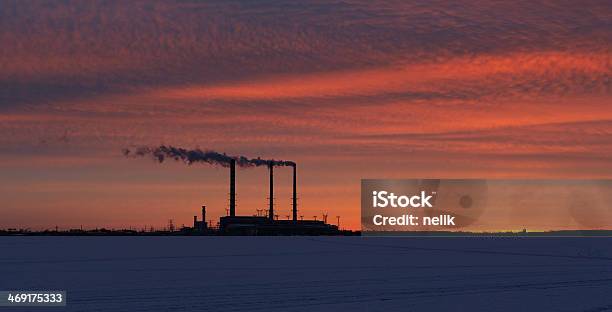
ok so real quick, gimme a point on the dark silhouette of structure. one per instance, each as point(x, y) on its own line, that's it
point(269, 224)
point(232, 208)
point(247, 225)
point(295, 192)
point(271, 208)
point(200, 226)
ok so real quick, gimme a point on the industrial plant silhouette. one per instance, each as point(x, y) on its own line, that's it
point(269, 224)
point(234, 224)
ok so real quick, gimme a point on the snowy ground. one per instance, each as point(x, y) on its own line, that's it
point(312, 273)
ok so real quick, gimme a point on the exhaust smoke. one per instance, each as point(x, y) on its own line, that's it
point(191, 156)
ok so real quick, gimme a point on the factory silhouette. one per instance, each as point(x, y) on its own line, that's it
point(233, 224)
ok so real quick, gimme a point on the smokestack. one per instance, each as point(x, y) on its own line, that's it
point(294, 192)
point(203, 213)
point(271, 210)
point(232, 188)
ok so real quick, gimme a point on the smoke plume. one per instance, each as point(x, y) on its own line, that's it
point(188, 156)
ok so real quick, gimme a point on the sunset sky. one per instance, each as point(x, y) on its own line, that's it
point(347, 89)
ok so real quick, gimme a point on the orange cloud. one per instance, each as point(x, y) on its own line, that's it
point(412, 77)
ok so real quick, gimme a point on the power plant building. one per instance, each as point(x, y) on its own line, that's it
point(265, 225)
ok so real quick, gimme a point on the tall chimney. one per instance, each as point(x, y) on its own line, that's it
point(271, 210)
point(203, 213)
point(295, 192)
point(232, 188)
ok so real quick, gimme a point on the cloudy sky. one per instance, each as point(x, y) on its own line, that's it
point(347, 89)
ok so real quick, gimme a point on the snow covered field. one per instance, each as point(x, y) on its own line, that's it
point(312, 273)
